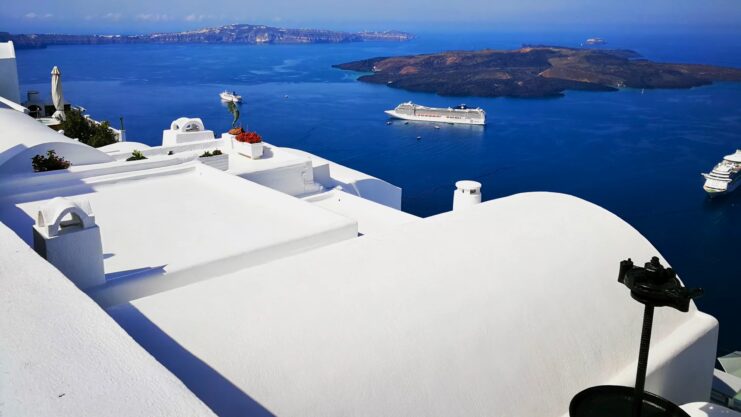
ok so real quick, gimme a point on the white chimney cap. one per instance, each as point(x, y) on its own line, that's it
point(470, 186)
point(51, 216)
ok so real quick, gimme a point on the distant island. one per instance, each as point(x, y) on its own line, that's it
point(239, 33)
point(532, 71)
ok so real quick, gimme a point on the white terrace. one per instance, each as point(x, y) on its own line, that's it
point(169, 220)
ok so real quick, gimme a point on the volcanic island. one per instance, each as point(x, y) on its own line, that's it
point(533, 71)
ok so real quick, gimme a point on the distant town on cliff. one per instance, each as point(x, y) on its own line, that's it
point(236, 33)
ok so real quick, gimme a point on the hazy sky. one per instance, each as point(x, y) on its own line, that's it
point(134, 16)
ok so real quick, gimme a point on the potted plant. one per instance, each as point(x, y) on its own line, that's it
point(216, 159)
point(248, 144)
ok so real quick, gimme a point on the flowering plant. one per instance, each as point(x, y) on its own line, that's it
point(50, 162)
point(249, 137)
point(235, 131)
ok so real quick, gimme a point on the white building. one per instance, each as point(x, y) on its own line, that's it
point(9, 87)
point(290, 285)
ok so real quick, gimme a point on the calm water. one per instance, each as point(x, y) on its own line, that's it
point(638, 155)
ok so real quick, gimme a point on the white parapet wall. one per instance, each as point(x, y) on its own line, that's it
point(62, 356)
point(9, 86)
point(331, 174)
point(704, 409)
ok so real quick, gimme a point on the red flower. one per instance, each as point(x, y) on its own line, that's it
point(249, 137)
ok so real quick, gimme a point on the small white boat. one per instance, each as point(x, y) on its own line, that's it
point(230, 96)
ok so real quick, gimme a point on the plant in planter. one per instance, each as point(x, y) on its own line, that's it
point(249, 144)
point(216, 159)
point(136, 156)
point(50, 162)
point(235, 131)
point(207, 154)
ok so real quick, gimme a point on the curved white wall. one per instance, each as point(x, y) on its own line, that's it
point(9, 87)
point(61, 355)
point(22, 137)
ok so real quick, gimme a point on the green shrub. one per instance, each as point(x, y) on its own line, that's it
point(206, 154)
point(77, 126)
point(136, 156)
point(50, 162)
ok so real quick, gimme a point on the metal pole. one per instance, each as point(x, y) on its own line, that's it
point(648, 318)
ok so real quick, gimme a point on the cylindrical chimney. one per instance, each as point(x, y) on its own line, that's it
point(467, 194)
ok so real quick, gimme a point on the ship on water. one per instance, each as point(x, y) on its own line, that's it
point(458, 114)
point(230, 96)
point(725, 176)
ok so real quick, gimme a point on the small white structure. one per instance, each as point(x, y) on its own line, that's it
point(467, 194)
point(186, 130)
point(9, 87)
point(65, 234)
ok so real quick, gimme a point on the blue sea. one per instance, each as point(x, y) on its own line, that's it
point(637, 153)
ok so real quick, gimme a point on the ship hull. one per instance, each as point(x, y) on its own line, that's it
point(715, 192)
point(435, 119)
point(233, 99)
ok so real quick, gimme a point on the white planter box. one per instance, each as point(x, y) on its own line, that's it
point(250, 150)
point(219, 161)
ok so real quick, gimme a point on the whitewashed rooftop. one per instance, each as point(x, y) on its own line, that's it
point(188, 222)
point(263, 300)
point(473, 312)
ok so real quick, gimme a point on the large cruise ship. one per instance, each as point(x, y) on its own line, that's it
point(459, 114)
point(725, 176)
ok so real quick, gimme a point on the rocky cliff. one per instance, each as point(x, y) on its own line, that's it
point(244, 34)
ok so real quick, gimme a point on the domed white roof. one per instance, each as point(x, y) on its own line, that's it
point(22, 137)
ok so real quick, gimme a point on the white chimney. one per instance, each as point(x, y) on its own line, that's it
point(65, 234)
point(467, 194)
